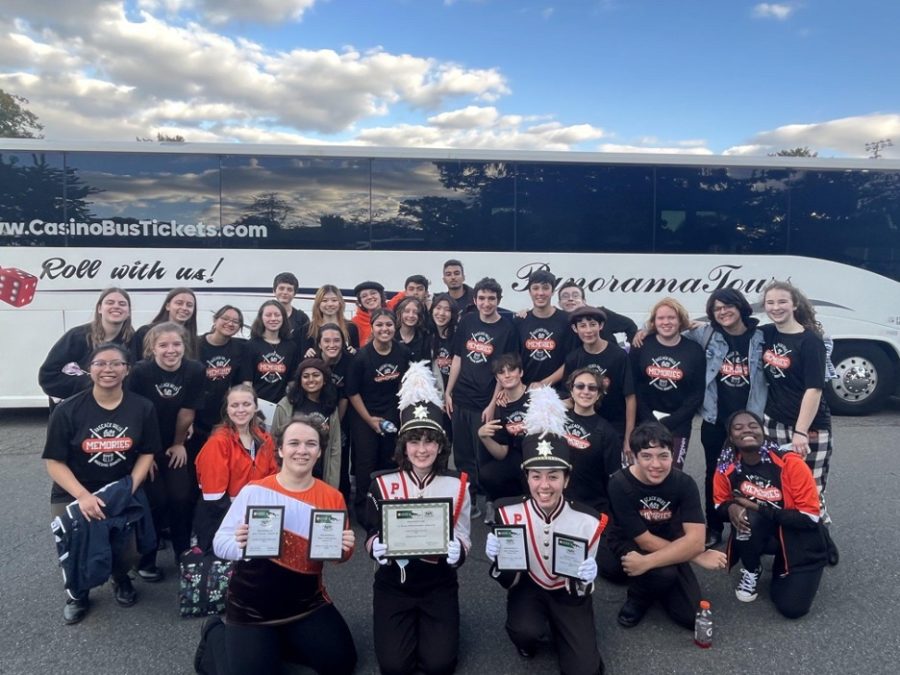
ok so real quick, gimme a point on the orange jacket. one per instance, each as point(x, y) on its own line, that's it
point(224, 466)
point(361, 318)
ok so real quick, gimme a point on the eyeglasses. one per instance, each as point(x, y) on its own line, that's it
point(583, 385)
point(108, 364)
point(230, 322)
point(722, 308)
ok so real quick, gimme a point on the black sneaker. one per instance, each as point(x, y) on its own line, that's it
point(631, 613)
point(75, 610)
point(526, 652)
point(713, 537)
point(151, 575)
point(124, 593)
point(834, 556)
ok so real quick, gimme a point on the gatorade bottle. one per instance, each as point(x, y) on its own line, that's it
point(703, 626)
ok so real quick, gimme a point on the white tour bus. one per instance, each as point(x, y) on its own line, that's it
point(224, 219)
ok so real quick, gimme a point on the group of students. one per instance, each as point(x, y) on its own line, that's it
point(182, 410)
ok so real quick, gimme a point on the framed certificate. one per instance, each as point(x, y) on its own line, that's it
point(264, 536)
point(413, 528)
point(513, 554)
point(326, 534)
point(568, 554)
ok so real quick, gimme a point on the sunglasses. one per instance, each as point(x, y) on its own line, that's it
point(583, 385)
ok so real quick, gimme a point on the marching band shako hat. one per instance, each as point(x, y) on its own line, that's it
point(544, 445)
point(420, 403)
point(367, 285)
point(587, 312)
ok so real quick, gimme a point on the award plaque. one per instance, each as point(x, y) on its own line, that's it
point(264, 536)
point(326, 534)
point(413, 528)
point(568, 554)
point(513, 555)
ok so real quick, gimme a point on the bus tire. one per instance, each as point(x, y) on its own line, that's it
point(865, 379)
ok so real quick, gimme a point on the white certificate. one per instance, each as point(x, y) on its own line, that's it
point(513, 554)
point(568, 554)
point(264, 536)
point(413, 528)
point(326, 534)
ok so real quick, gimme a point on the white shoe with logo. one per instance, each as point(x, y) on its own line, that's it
point(746, 588)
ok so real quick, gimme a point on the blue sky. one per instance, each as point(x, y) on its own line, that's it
point(706, 77)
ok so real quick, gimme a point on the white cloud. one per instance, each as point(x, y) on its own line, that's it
point(268, 11)
point(773, 10)
point(467, 118)
point(846, 136)
point(546, 13)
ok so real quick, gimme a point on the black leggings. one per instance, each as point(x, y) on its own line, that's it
point(320, 640)
point(712, 437)
point(172, 496)
point(792, 594)
point(371, 452)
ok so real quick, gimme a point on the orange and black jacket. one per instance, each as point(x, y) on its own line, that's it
point(789, 503)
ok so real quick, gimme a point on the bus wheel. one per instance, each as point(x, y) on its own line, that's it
point(865, 379)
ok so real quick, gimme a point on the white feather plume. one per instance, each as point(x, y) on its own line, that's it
point(418, 385)
point(545, 413)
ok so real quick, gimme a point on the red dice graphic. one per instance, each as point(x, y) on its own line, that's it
point(16, 286)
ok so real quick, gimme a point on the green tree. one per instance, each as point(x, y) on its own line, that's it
point(15, 120)
point(795, 152)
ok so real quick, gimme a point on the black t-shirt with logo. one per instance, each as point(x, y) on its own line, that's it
point(270, 367)
point(544, 344)
point(376, 378)
point(733, 378)
point(760, 483)
point(419, 347)
point(169, 392)
point(442, 355)
point(100, 446)
point(660, 509)
point(299, 322)
point(595, 452)
point(340, 371)
point(793, 363)
point(477, 344)
point(615, 369)
point(512, 425)
point(222, 370)
point(669, 380)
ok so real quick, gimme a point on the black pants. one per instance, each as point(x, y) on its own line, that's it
point(502, 477)
point(321, 641)
point(529, 610)
point(371, 452)
point(793, 593)
point(172, 496)
point(675, 586)
point(417, 633)
point(713, 437)
point(467, 447)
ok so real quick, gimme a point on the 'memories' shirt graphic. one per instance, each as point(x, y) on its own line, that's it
point(664, 373)
point(107, 444)
point(479, 347)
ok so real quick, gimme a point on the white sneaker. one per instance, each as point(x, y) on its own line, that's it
point(746, 588)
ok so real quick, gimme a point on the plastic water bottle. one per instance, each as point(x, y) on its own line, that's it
point(703, 626)
point(387, 427)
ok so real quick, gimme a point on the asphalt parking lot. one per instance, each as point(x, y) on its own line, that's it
point(854, 626)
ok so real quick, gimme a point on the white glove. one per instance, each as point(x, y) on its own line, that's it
point(379, 551)
point(492, 547)
point(587, 571)
point(454, 550)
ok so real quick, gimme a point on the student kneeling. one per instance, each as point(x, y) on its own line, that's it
point(659, 529)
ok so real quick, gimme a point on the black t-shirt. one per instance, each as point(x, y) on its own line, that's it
point(376, 378)
point(615, 369)
point(269, 367)
point(442, 355)
point(760, 483)
point(100, 446)
point(299, 322)
point(340, 371)
point(617, 323)
point(169, 392)
point(595, 452)
point(477, 344)
point(512, 421)
point(733, 379)
point(669, 380)
point(543, 344)
point(222, 370)
point(418, 347)
point(660, 509)
point(793, 363)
